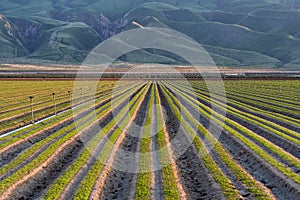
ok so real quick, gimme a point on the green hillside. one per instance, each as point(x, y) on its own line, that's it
point(236, 33)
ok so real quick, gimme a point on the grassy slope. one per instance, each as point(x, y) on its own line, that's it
point(269, 34)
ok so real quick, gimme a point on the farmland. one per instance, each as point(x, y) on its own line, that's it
point(252, 152)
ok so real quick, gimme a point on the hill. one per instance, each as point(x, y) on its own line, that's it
point(236, 33)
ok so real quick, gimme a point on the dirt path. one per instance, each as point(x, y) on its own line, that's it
point(22, 116)
point(195, 178)
point(272, 137)
point(74, 184)
point(281, 186)
point(109, 173)
point(156, 172)
point(39, 178)
point(120, 183)
point(281, 142)
point(11, 151)
point(255, 113)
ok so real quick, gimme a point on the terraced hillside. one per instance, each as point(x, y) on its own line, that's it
point(237, 33)
point(156, 140)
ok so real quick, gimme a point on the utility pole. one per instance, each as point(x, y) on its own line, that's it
point(224, 72)
point(70, 97)
point(81, 95)
point(31, 109)
point(54, 104)
point(89, 95)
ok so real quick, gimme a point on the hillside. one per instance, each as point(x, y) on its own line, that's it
point(237, 33)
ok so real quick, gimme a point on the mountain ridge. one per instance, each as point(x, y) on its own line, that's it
point(240, 33)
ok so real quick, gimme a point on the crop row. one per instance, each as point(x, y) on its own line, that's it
point(248, 105)
point(20, 117)
point(262, 103)
point(155, 140)
point(251, 119)
point(66, 134)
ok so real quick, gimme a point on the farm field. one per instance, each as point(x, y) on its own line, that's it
point(150, 140)
point(15, 109)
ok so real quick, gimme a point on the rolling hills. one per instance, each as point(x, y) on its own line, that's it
point(236, 33)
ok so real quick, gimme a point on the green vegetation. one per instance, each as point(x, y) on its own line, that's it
point(244, 161)
point(59, 185)
point(236, 33)
point(143, 183)
point(169, 181)
point(228, 189)
point(87, 184)
point(245, 178)
point(232, 128)
point(273, 127)
point(15, 110)
point(281, 91)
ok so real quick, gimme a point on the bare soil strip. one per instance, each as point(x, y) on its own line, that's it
point(279, 141)
point(38, 178)
point(281, 186)
point(256, 113)
point(104, 177)
point(194, 176)
point(229, 174)
point(32, 157)
point(74, 184)
point(172, 156)
point(266, 108)
point(119, 182)
point(12, 150)
point(22, 115)
point(156, 173)
point(269, 118)
point(31, 184)
point(119, 90)
point(285, 144)
point(193, 179)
